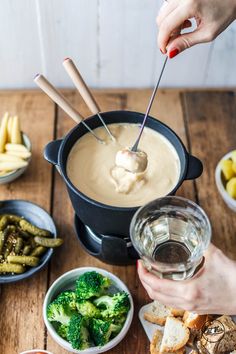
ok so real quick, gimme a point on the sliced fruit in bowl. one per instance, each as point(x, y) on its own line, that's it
point(225, 177)
point(15, 149)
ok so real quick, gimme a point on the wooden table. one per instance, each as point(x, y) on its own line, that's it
point(205, 121)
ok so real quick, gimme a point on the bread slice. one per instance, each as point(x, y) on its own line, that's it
point(157, 313)
point(177, 312)
point(156, 343)
point(175, 336)
point(220, 335)
point(193, 320)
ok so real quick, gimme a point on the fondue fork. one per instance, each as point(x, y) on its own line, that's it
point(83, 89)
point(59, 99)
point(135, 146)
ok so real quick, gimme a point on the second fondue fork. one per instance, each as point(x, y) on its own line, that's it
point(59, 99)
point(83, 89)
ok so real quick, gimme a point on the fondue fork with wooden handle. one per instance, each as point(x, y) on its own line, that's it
point(59, 99)
point(83, 89)
point(135, 146)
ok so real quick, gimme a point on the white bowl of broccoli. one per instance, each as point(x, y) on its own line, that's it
point(88, 310)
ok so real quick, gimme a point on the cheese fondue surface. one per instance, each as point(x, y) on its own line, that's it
point(91, 167)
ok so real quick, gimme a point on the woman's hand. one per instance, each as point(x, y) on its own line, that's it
point(212, 290)
point(212, 17)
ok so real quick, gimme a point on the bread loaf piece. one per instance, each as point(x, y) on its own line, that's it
point(175, 336)
point(220, 336)
point(156, 344)
point(177, 312)
point(193, 320)
point(157, 313)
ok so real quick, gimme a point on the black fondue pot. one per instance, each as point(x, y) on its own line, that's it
point(106, 219)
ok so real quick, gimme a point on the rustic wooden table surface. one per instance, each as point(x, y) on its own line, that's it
point(205, 121)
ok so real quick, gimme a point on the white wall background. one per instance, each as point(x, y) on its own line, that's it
point(112, 41)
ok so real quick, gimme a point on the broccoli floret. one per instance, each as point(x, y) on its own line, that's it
point(119, 320)
point(113, 306)
point(67, 298)
point(91, 284)
point(62, 308)
point(102, 331)
point(78, 334)
point(62, 331)
point(86, 308)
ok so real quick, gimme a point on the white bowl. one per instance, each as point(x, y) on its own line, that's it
point(36, 351)
point(11, 176)
point(218, 178)
point(67, 281)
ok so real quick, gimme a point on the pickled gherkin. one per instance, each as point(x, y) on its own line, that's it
point(11, 268)
point(3, 222)
point(38, 251)
point(26, 260)
point(26, 250)
point(22, 244)
point(48, 242)
point(34, 230)
point(18, 245)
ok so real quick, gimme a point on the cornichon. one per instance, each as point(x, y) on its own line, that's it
point(22, 244)
point(18, 245)
point(2, 240)
point(24, 234)
point(11, 268)
point(48, 242)
point(34, 230)
point(8, 248)
point(38, 251)
point(27, 260)
point(26, 250)
point(3, 222)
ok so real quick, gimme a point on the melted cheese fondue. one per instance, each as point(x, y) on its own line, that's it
point(91, 167)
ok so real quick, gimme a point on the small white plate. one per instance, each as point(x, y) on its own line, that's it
point(67, 281)
point(221, 188)
point(150, 328)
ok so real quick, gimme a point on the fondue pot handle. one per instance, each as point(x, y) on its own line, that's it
point(194, 169)
point(51, 151)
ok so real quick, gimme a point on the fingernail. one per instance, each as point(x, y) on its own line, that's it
point(137, 264)
point(161, 51)
point(173, 53)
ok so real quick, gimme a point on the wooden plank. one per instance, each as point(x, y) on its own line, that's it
point(71, 255)
point(72, 33)
point(212, 125)
point(20, 56)
point(21, 304)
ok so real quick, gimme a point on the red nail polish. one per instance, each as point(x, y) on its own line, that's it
point(173, 53)
point(137, 264)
